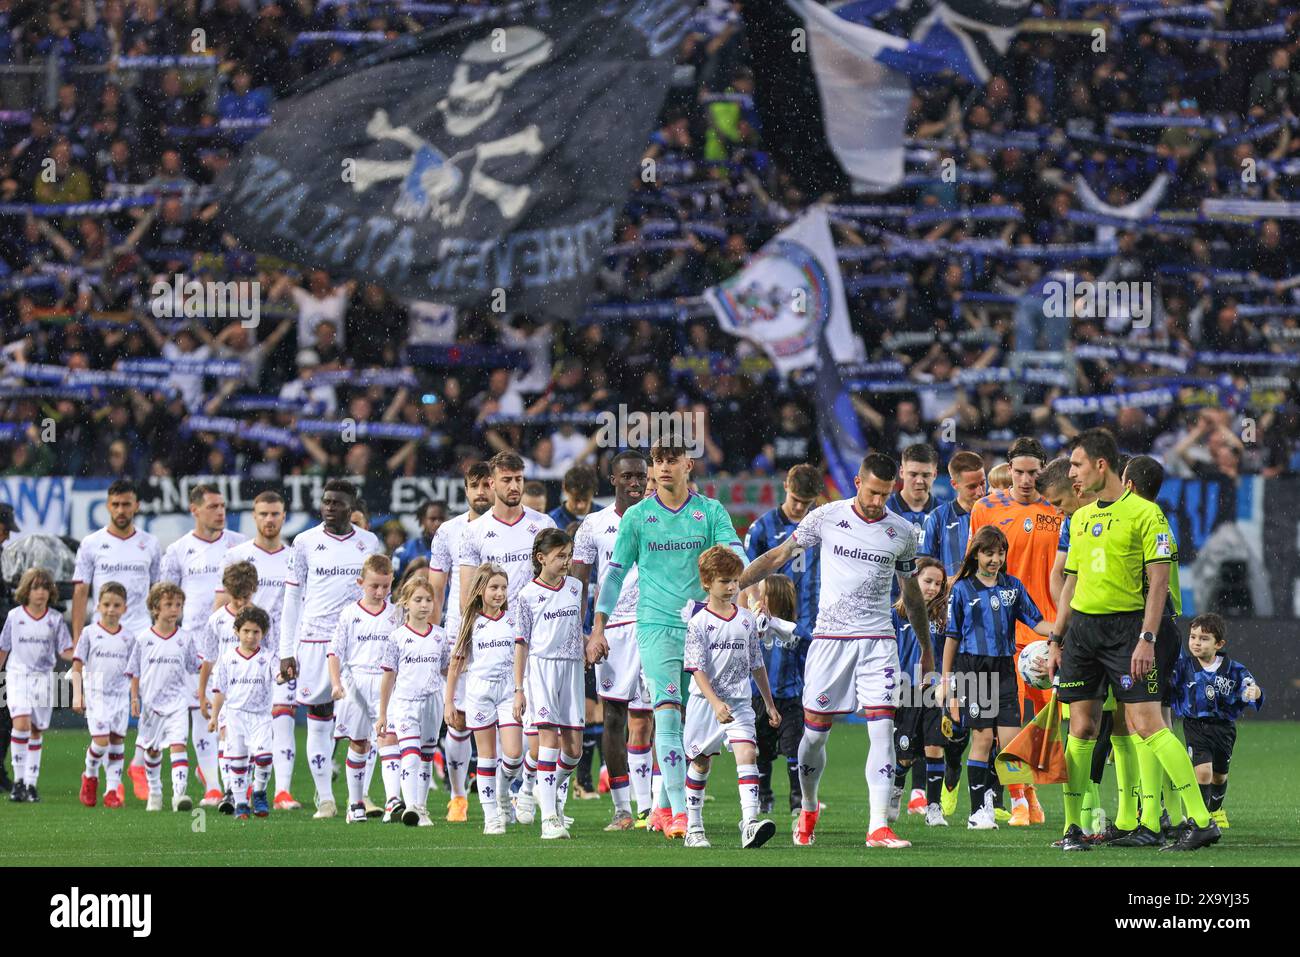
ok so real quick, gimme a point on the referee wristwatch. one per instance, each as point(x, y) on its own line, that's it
point(1056, 639)
point(1148, 636)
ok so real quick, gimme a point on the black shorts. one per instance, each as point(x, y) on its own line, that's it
point(989, 693)
point(1098, 652)
point(916, 729)
point(1210, 741)
point(1169, 644)
point(783, 740)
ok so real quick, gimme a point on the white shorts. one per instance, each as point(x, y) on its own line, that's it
point(842, 676)
point(555, 693)
point(31, 695)
point(285, 694)
point(108, 714)
point(619, 676)
point(355, 715)
point(703, 734)
point(159, 731)
point(314, 673)
point(411, 718)
point(248, 733)
point(489, 703)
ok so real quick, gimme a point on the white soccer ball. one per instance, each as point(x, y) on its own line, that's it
point(1032, 664)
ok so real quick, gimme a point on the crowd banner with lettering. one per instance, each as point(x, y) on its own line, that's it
point(443, 165)
point(40, 504)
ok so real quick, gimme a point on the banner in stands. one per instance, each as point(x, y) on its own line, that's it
point(40, 504)
point(1282, 505)
point(447, 169)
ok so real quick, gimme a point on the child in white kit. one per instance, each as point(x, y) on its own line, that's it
point(416, 661)
point(34, 634)
point(723, 650)
point(101, 689)
point(162, 659)
point(243, 683)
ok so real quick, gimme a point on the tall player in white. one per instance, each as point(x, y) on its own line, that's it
point(628, 711)
point(122, 553)
point(325, 566)
point(852, 662)
point(444, 567)
point(194, 561)
point(270, 556)
point(504, 536)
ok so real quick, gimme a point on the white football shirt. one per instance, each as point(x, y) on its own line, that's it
point(858, 562)
point(33, 643)
point(163, 665)
point(322, 581)
point(272, 572)
point(594, 547)
point(195, 564)
point(134, 562)
point(492, 647)
point(550, 619)
point(217, 635)
point(420, 660)
point(105, 656)
point(488, 539)
point(360, 636)
point(727, 650)
point(247, 681)
point(445, 557)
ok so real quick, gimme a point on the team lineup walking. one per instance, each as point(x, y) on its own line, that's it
point(917, 617)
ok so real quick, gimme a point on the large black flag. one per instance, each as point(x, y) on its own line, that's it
point(476, 158)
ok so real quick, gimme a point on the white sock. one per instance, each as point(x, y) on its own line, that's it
point(237, 767)
point(223, 764)
point(205, 749)
point(507, 770)
point(548, 779)
point(261, 772)
point(320, 748)
point(567, 765)
point(93, 758)
point(282, 753)
point(639, 774)
point(487, 787)
point(812, 760)
point(656, 786)
point(457, 749)
point(372, 761)
point(138, 759)
point(426, 775)
point(356, 773)
point(409, 775)
point(113, 767)
point(180, 762)
point(34, 751)
point(880, 768)
point(390, 759)
point(530, 774)
point(696, 781)
point(747, 780)
point(153, 773)
point(621, 791)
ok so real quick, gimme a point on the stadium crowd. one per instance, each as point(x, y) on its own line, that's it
point(975, 359)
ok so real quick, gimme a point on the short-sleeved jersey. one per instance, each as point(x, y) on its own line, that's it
point(33, 643)
point(1213, 692)
point(550, 619)
point(944, 536)
point(982, 618)
point(360, 636)
point(594, 547)
point(217, 635)
point(444, 556)
point(195, 564)
point(105, 657)
point(665, 545)
point(492, 647)
point(727, 650)
point(859, 559)
point(1111, 544)
point(909, 649)
point(1032, 532)
point(420, 660)
point(915, 516)
point(163, 665)
point(247, 681)
point(272, 572)
point(510, 545)
point(135, 562)
point(325, 567)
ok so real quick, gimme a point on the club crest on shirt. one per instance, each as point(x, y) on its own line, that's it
point(1096, 530)
point(697, 515)
point(891, 533)
point(1029, 525)
point(994, 603)
point(532, 529)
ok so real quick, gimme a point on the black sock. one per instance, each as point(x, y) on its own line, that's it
point(796, 789)
point(1101, 751)
point(590, 738)
point(1217, 794)
point(1206, 795)
point(933, 780)
point(977, 773)
point(900, 774)
point(952, 765)
point(765, 779)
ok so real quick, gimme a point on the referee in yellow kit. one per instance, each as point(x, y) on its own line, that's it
point(1116, 586)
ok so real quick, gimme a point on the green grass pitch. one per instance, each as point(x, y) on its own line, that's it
point(60, 832)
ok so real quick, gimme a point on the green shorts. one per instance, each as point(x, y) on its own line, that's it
point(662, 652)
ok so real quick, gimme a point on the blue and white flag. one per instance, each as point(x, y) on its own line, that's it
point(789, 296)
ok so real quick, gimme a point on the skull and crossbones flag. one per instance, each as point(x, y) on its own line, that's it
point(476, 164)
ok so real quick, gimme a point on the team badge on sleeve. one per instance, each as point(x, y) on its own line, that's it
point(1164, 547)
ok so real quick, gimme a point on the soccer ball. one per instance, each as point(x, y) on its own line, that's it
point(1032, 663)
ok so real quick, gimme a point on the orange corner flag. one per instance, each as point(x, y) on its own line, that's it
point(1037, 754)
